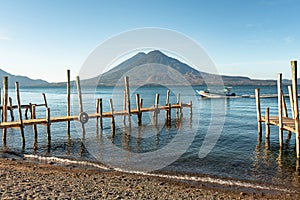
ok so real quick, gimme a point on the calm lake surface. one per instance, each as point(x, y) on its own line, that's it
point(237, 153)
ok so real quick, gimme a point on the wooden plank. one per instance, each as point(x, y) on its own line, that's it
point(43, 121)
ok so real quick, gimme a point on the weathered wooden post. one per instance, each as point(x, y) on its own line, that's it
point(128, 99)
point(296, 108)
point(20, 114)
point(258, 111)
point(79, 94)
point(141, 104)
point(285, 112)
point(97, 112)
point(4, 108)
point(267, 123)
point(169, 114)
point(191, 107)
point(138, 107)
point(291, 100)
point(33, 116)
point(178, 103)
point(280, 106)
point(68, 100)
point(1, 102)
point(11, 109)
point(45, 100)
point(48, 120)
point(168, 97)
point(168, 110)
point(81, 107)
point(112, 116)
point(180, 109)
point(101, 111)
point(156, 111)
point(125, 106)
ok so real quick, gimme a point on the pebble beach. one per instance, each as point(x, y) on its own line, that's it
point(24, 179)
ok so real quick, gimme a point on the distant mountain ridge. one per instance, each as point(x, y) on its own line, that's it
point(23, 80)
point(191, 75)
point(154, 64)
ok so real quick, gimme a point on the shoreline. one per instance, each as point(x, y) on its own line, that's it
point(25, 178)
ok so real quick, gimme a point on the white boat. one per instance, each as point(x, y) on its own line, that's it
point(226, 93)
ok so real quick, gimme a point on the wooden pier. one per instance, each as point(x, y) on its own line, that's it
point(82, 117)
point(283, 121)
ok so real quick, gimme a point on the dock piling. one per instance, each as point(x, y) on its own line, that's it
point(138, 107)
point(168, 110)
point(33, 116)
point(291, 100)
point(101, 111)
point(20, 114)
point(83, 117)
point(48, 120)
point(11, 109)
point(112, 116)
point(280, 106)
point(258, 111)
point(296, 108)
point(156, 111)
point(68, 98)
point(45, 100)
point(267, 123)
point(128, 99)
point(4, 110)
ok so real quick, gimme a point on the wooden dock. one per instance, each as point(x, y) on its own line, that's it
point(283, 121)
point(44, 121)
point(82, 117)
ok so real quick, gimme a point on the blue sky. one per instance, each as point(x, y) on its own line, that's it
point(41, 39)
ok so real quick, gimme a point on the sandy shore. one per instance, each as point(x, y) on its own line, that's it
point(23, 179)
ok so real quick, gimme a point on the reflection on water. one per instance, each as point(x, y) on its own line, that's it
point(280, 163)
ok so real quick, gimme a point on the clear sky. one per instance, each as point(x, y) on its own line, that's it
point(43, 38)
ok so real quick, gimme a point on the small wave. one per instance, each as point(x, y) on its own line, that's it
point(65, 161)
point(183, 178)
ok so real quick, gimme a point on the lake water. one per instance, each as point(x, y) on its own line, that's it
point(233, 154)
